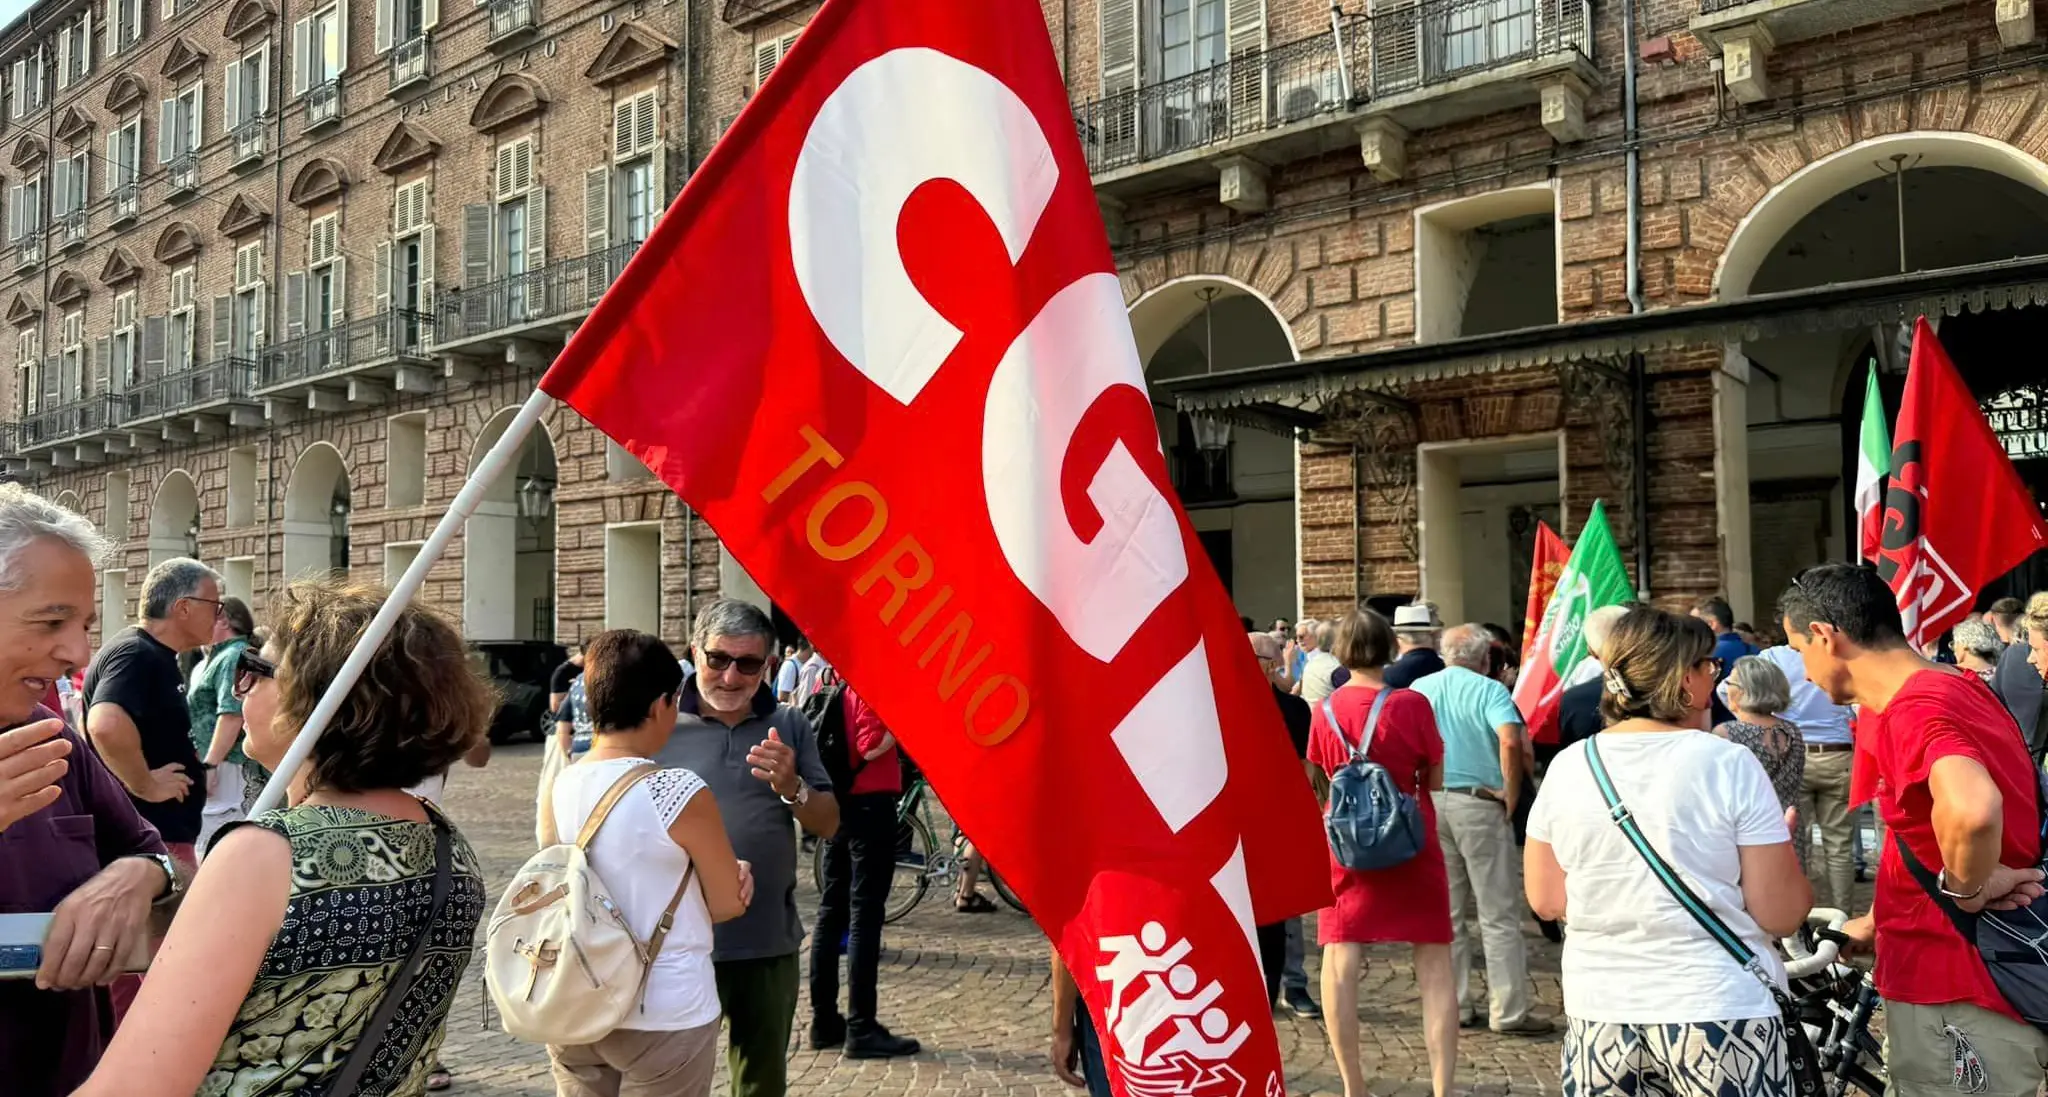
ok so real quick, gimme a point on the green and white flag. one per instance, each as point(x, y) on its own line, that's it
point(1593, 578)
point(1873, 467)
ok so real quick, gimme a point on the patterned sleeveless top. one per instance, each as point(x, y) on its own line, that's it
point(362, 893)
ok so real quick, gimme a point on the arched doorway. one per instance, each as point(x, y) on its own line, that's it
point(1961, 200)
point(316, 514)
point(508, 556)
point(1236, 482)
point(174, 518)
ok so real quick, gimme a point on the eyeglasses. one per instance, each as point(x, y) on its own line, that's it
point(251, 669)
point(721, 661)
point(218, 609)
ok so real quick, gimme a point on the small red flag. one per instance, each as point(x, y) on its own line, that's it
point(1551, 555)
point(1956, 513)
point(879, 343)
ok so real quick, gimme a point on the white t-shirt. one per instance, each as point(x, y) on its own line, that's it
point(641, 865)
point(1632, 955)
point(1315, 676)
point(787, 676)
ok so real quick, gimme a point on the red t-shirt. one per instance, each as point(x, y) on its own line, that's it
point(1921, 959)
point(864, 733)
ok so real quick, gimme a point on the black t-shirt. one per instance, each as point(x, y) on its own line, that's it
point(1402, 672)
point(140, 674)
point(559, 681)
point(1295, 713)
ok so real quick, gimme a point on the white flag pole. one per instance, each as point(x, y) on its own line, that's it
point(495, 463)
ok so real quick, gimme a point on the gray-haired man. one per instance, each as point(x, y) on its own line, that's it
point(760, 760)
point(135, 701)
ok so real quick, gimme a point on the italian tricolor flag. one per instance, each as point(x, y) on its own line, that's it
point(1873, 466)
point(1593, 578)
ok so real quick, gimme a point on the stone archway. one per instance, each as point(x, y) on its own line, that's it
point(1236, 482)
point(508, 555)
point(174, 518)
point(1787, 407)
point(317, 506)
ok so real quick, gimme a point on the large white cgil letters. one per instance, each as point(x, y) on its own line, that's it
point(902, 120)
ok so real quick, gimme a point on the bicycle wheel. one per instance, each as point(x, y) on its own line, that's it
point(914, 865)
point(1003, 890)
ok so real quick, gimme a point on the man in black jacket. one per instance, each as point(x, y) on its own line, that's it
point(2019, 685)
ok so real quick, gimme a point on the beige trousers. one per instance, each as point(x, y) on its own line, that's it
point(1486, 873)
point(630, 1063)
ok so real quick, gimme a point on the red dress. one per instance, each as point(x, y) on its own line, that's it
point(1410, 902)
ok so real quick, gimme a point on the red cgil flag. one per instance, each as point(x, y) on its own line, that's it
point(1551, 555)
point(1956, 513)
point(880, 345)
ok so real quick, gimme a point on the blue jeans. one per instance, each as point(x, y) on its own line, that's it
point(1093, 1068)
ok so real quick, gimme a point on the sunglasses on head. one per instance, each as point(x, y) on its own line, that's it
point(721, 661)
point(252, 668)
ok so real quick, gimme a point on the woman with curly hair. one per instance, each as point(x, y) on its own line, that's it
point(319, 948)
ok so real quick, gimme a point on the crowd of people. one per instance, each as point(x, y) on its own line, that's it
point(317, 947)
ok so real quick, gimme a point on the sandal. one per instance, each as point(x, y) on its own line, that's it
point(439, 1079)
point(976, 903)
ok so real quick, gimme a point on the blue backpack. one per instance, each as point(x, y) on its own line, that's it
point(1372, 822)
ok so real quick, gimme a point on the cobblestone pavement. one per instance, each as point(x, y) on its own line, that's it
point(973, 988)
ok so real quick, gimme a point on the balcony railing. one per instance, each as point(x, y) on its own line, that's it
point(1710, 7)
point(226, 379)
point(28, 251)
point(249, 140)
point(411, 62)
point(181, 175)
point(72, 229)
point(74, 420)
point(399, 335)
point(512, 17)
point(10, 442)
point(127, 202)
point(1362, 59)
point(561, 288)
point(323, 104)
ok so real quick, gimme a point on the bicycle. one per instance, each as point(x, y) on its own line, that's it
point(1837, 1003)
point(920, 863)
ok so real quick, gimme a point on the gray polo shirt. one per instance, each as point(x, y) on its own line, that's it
point(760, 824)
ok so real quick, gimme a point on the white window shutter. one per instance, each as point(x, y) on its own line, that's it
point(223, 327)
point(622, 128)
point(81, 181)
point(597, 210)
point(60, 201)
point(302, 55)
point(113, 159)
point(259, 314)
point(234, 97)
point(657, 179)
point(430, 14)
point(339, 270)
point(1118, 42)
point(536, 231)
point(85, 45)
point(263, 78)
point(166, 130)
point(766, 56)
point(170, 10)
point(64, 58)
point(340, 41)
point(380, 300)
point(427, 270)
point(198, 117)
point(383, 30)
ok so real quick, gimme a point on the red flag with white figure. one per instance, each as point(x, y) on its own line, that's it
point(1550, 557)
point(880, 345)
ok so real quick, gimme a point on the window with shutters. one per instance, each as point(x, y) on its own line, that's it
point(68, 196)
point(403, 21)
point(245, 332)
point(74, 50)
point(25, 209)
point(319, 50)
point(181, 134)
point(71, 358)
point(182, 327)
point(248, 92)
point(520, 242)
point(405, 265)
point(123, 362)
point(173, 8)
point(125, 25)
point(28, 353)
point(124, 168)
point(769, 53)
point(26, 91)
point(637, 193)
point(326, 283)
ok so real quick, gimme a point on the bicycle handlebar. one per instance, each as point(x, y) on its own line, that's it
point(1827, 947)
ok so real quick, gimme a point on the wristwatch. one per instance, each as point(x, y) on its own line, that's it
point(171, 884)
point(802, 797)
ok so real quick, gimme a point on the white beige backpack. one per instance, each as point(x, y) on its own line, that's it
point(563, 966)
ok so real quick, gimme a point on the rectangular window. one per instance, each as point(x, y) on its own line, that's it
point(180, 127)
point(636, 192)
point(320, 293)
point(406, 295)
point(125, 366)
point(1190, 36)
point(28, 348)
point(127, 25)
point(324, 51)
point(512, 237)
point(74, 50)
point(71, 357)
point(25, 209)
point(182, 327)
point(248, 94)
point(124, 154)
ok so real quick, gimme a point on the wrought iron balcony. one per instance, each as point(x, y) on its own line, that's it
point(72, 229)
point(126, 202)
point(28, 251)
point(323, 104)
point(558, 292)
point(10, 439)
point(1428, 63)
point(250, 139)
point(216, 382)
point(399, 336)
point(411, 62)
point(512, 18)
point(71, 422)
point(181, 175)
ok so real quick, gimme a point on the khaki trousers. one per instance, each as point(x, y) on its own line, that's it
point(1486, 872)
point(1825, 803)
point(1960, 1048)
point(631, 1063)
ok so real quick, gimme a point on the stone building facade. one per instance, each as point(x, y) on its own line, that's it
point(1377, 259)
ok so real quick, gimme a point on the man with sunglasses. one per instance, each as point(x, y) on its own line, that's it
point(761, 761)
point(135, 709)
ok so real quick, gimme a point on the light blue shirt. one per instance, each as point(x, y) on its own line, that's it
point(1820, 721)
point(1470, 708)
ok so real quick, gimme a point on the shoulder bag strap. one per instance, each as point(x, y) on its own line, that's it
point(1372, 722)
point(372, 1036)
point(610, 800)
point(1679, 890)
